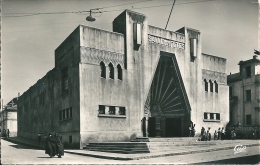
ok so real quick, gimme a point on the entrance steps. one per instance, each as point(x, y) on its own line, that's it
point(148, 145)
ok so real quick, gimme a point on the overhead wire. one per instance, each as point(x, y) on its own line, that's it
point(79, 12)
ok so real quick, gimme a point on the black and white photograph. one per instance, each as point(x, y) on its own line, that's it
point(130, 82)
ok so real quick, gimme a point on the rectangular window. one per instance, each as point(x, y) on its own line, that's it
point(121, 110)
point(248, 71)
point(64, 80)
point(205, 116)
point(218, 116)
point(101, 109)
point(112, 110)
point(211, 116)
point(248, 119)
point(248, 95)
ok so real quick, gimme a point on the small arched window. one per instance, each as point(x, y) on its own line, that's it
point(103, 69)
point(216, 86)
point(119, 72)
point(111, 71)
point(206, 85)
point(211, 85)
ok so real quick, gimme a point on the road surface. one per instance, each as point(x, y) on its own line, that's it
point(20, 154)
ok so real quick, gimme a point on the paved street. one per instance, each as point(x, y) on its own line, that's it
point(21, 154)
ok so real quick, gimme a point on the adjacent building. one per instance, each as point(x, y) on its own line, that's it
point(138, 80)
point(244, 93)
point(8, 118)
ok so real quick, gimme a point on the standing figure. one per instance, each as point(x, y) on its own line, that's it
point(202, 134)
point(59, 145)
point(208, 135)
point(4, 133)
point(215, 135)
point(219, 133)
point(50, 147)
point(39, 137)
point(233, 134)
point(190, 131)
point(222, 133)
point(193, 130)
point(8, 132)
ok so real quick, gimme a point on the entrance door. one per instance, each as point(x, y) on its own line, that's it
point(151, 127)
point(173, 127)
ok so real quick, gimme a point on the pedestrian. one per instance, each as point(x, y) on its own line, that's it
point(219, 133)
point(193, 130)
point(215, 135)
point(59, 145)
point(190, 131)
point(8, 132)
point(208, 135)
point(233, 134)
point(203, 134)
point(222, 133)
point(4, 133)
point(39, 137)
point(50, 145)
point(256, 133)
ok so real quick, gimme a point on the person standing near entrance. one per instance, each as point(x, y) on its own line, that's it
point(222, 133)
point(193, 130)
point(8, 132)
point(219, 133)
point(190, 131)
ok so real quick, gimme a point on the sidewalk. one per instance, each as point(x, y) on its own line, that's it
point(221, 145)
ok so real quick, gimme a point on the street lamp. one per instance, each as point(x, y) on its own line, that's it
point(90, 18)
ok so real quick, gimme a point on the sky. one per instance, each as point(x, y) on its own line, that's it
point(33, 29)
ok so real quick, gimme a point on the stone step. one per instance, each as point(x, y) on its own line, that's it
point(163, 139)
point(121, 151)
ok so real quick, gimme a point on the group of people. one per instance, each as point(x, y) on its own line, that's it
point(54, 145)
point(206, 135)
point(5, 133)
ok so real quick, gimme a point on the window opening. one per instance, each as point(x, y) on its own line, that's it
point(101, 109)
point(103, 69)
point(112, 110)
point(206, 85)
point(248, 95)
point(211, 86)
point(65, 79)
point(119, 71)
point(248, 119)
point(216, 86)
point(248, 71)
point(111, 71)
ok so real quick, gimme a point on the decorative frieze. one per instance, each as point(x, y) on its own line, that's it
point(95, 56)
point(213, 75)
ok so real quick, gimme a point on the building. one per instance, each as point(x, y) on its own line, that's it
point(138, 80)
point(244, 93)
point(8, 117)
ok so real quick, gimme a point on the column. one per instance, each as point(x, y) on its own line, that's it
point(107, 110)
point(117, 111)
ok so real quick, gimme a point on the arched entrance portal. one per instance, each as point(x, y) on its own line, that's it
point(167, 103)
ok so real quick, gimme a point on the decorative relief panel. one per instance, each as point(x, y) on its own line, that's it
point(213, 75)
point(95, 56)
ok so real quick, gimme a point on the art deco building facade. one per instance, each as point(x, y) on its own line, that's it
point(138, 80)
